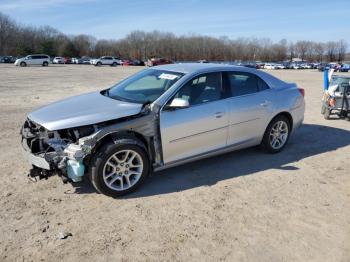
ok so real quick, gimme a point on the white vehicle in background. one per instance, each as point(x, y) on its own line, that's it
point(42, 60)
point(295, 66)
point(119, 61)
point(104, 60)
point(75, 60)
point(279, 66)
point(269, 66)
point(305, 66)
point(58, 60)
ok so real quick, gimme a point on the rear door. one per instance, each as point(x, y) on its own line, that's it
point(200, 128)
point(249, 107)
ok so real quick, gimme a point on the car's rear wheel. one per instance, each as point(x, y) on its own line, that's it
point(23, 64)
point(276, 135)
point(118, 169)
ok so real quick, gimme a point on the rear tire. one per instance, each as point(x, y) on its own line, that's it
point(111, 175)
point(276, 135)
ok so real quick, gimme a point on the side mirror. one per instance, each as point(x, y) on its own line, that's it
point(178, 103)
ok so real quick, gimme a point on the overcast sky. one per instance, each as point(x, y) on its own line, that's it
point(318, 20)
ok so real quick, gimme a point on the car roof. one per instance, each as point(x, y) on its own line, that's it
point(187, 68)
point(197, 68)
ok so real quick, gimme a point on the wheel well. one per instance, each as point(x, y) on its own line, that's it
point(110, 138)
point(288, 116)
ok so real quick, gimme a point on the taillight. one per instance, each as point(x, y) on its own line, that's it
point(302, 91)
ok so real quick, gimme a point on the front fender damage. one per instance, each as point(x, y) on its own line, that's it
point(67, 155)
point(146, 126)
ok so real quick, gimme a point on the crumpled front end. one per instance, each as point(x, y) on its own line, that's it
point(52, 152)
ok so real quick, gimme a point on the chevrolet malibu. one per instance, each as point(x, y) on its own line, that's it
point(160, 118)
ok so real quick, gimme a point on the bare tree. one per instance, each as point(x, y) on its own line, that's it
point(21, 40)
point(85, 44)
point(301, 48)
point(331, 49)
point(319, 51)
point(341, 47)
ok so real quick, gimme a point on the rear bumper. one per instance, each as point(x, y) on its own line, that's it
point(36, 160)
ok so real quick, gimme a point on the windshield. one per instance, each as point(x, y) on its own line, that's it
point(144, 87)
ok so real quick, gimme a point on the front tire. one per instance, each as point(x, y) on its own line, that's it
point(23, 64)
point(276, 135)
point(98, 64)
point(119, 169)
point(45, 63)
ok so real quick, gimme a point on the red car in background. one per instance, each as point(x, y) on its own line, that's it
point(127, 63)
point(67, 60)
point(158, 61)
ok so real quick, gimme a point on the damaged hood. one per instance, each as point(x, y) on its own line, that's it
point(86, 109)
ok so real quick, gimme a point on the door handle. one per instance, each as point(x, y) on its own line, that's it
point(219, 114)
point(265, 103)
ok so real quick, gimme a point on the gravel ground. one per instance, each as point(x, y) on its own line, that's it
point(242, 206)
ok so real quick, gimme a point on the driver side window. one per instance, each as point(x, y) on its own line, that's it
point(202, 89)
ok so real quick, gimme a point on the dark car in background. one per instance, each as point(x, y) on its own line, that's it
point(137, 62)
point(84, 60)
point(344, 68)
point(158, 61)
point(7, 59)
point(321, 67)
point(337, 67)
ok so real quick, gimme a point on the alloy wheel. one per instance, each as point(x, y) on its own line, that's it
point(123, 170)
point(278, 134)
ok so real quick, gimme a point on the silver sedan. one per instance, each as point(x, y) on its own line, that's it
point(161, 117)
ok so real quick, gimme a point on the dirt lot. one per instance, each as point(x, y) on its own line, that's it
point(242, 206)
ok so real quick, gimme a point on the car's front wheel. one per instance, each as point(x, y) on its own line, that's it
point(23, 64)
point(118, 169)
point(276, 135)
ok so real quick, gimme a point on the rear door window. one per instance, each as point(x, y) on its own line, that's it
point(241, 83)
point(262, 84)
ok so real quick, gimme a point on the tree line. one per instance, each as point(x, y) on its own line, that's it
point(21, 40)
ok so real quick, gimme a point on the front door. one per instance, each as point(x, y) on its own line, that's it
point(200, 128)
